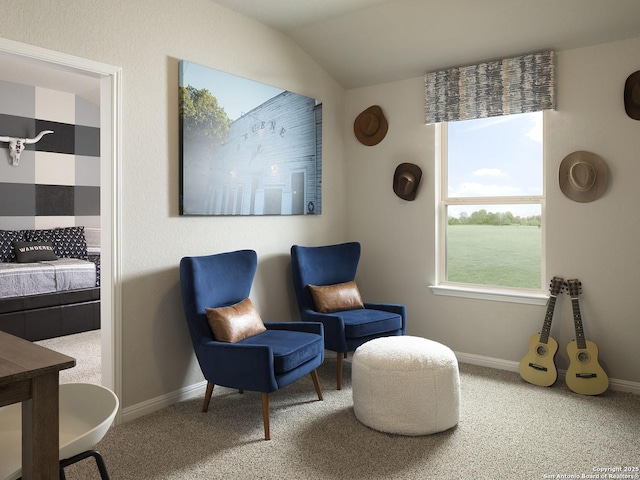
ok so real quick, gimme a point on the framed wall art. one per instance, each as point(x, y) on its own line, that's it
point(247, 148)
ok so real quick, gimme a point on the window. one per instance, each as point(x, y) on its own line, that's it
point(491, 209)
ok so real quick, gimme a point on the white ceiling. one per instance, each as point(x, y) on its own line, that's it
point(20, 69)
point(370, 42)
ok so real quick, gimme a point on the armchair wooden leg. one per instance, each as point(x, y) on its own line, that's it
point(316, 383)
point(265, 415)
point(339, 372)
point(207, 397)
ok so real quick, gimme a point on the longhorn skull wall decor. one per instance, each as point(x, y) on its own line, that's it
point(16, 145)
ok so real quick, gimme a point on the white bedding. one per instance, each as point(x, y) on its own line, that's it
point(20, 279)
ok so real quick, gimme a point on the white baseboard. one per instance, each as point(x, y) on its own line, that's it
point(624, 386)
point(490, 362)
point(144, 408)
point(500, 364)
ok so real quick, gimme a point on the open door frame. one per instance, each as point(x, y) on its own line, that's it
point(110, 78)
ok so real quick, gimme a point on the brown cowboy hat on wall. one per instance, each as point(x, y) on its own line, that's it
point(371, 126)
point(406, 180)
point(583, 176)
point(632, 95)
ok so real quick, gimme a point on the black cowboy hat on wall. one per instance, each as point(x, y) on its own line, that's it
point(406, 180)
point(632, 95)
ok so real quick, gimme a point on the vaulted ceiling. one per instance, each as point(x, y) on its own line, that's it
point(370, 42)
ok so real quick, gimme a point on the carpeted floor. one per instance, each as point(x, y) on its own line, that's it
point(85, 348)
point(508, 429)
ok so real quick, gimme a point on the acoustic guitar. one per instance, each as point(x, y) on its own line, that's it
point(584, 375)
point(538, 365)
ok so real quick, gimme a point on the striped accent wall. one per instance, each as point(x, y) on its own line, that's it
point(57, 182)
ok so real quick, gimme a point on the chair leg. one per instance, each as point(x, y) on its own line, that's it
point(339, 372)
point(207, 397)
point(102, 467)
point(316, 383)
point(265, 415)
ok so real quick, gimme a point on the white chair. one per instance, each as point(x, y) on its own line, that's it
point(86, 414)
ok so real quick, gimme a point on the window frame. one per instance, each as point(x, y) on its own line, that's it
point(479, 291)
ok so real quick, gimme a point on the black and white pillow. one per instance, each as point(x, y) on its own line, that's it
point(7, 237)
point(68, 242)
point(29, 252)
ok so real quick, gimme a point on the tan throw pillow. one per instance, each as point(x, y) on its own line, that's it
point(333, 298)
point(235, 322)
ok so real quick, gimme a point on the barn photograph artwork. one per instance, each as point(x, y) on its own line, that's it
point(247, 148)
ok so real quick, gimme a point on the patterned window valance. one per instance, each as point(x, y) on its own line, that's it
point(513, 85)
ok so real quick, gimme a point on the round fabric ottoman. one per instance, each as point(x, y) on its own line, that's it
point(406, 385)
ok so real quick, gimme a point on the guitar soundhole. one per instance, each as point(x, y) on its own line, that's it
point(541, 350)
point(583, 357)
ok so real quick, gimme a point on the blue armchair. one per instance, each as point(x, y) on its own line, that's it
point(348, 329)
point(264, 362)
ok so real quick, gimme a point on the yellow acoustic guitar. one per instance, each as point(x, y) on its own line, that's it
point(584, 375)
point(538, 365)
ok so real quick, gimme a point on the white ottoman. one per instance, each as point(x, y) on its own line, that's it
point(406, 385)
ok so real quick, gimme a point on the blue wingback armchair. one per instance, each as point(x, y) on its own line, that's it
point(344, 330)
point(263, 362)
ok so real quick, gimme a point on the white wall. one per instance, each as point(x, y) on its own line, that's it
point(595, 242)
point(147, 38)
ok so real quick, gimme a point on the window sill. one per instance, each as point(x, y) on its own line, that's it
point(496, 295)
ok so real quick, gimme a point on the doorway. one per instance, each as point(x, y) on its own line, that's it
point(68, 73)
point(297, 193)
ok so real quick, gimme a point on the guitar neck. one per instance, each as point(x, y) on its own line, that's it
point(546, 327)
point(577, 321)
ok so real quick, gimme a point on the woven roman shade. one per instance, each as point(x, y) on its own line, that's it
point(503, 87)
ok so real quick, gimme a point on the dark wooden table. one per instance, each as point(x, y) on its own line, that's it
point(29, 374)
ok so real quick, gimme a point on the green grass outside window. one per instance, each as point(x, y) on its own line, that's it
point(506, 256)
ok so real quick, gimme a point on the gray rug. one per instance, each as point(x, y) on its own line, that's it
point(508, 429)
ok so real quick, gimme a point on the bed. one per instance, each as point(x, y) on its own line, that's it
point(49, 283)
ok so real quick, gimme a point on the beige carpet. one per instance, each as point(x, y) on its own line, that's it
point(508, 430)
point(85, 348)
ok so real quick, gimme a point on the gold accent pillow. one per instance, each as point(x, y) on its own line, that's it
point(337, 297)
point(235, 322)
